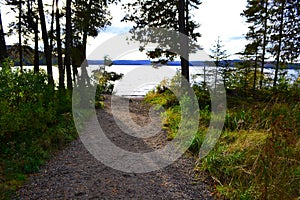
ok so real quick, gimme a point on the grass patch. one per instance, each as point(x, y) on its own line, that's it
point(258, 153)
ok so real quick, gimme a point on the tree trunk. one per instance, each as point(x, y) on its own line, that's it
point(255, 70)
point(20, 36)
point(46, 44)
point(86, 27)
point(264, 44)
point(183, 41)
point(68, 44)
point(279, 43)
point(61, 82)
point(33, 22)
point(3, 51)
point(36, 46)
point(51, 35)
point(84, 75)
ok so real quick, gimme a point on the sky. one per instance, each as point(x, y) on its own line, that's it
point(218, 18)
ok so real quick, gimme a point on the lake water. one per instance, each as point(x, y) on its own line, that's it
point(139, 79)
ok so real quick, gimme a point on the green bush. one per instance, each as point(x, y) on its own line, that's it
point(35, 120)
point(257, 155)
point(104, 81)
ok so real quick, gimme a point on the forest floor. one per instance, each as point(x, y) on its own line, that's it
point(73, 173)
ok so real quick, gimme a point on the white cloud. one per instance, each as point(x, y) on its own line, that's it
point(222, 18)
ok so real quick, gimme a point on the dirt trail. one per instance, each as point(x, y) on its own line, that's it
point(75, 174)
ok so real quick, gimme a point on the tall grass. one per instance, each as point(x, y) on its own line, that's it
point(258, 153)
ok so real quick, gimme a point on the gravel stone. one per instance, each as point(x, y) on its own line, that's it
point(73, 173)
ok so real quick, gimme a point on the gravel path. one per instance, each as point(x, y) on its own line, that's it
point(75, 174)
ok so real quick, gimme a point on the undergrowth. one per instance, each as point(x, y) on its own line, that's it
point(258, 153)
point(35, 121)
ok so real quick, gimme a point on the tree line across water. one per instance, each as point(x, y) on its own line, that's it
point(273, 31)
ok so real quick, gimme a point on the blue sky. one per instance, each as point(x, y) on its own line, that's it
point(217, 18)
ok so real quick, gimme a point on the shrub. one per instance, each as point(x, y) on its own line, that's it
point(257, 155)
point(35, 120)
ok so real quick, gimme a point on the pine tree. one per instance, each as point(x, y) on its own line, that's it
point(257, 13)
point(88, 19)
point(252, 50)
point(24, 26)
point(17, 7)
point(274, 28)
point(219, 56)
point(168, 14)
point(285, 34)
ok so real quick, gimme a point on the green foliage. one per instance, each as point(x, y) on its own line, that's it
point(34, 121)
point(89, 18)
point(257, 155)
point(171, 118)
point(148, 14)
point(7, 63)
point(105, 84)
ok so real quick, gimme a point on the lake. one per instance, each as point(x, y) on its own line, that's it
point(139, 79)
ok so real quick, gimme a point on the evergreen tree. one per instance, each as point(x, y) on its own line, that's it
point(32, 26)
point(252, 51)
point(285, 34)
point(257, 13)
point(88, 19)
point(17, 7)
point(24, 26)
point(172, 15)
point(219, 56)
point(274, 28)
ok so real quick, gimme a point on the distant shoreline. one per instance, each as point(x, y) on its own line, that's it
point(268, 65)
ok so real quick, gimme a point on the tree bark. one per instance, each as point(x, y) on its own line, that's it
point(46, 43)
point(51, 34)
point(3, 51)
point(20, 36)
point(86, 27)
point(83, 64)
point(183, 40)
point(255, 70)
point(68, 44)
point(279, 42)
point(61, 82)
point(264, 44)
point(33, 22)
point(36, 46)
